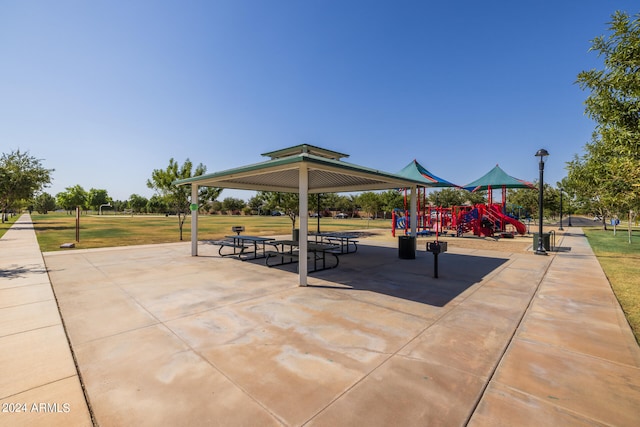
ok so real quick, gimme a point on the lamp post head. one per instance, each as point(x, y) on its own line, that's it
point(542, 153)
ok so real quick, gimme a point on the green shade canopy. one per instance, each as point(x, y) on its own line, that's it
point(497, 178)
point(416, 171)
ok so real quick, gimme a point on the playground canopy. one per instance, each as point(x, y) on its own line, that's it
point(302, 169)
point(416, 171)
point(497, 178)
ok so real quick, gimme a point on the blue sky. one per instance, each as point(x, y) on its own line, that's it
point(104, 92)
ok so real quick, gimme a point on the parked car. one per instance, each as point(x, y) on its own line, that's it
point(342, 215)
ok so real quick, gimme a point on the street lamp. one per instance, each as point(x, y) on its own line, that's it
point(542, 153)
point(560, 228)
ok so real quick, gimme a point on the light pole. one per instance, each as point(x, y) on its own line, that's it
point(560, 228)
point(542, 153)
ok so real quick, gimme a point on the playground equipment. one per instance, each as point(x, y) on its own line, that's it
point(430, 220)
point(485, 220)
point(481, 219)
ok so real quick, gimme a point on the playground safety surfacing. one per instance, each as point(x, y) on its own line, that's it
point(163, 338)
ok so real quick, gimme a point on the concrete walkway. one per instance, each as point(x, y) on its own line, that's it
point(39, 384)
point(163, 338)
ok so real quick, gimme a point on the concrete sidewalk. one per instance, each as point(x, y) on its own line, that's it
point(163, 338)
point(39, 385)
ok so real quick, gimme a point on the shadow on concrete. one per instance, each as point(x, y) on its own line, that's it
point(379, 269)
point(20, 271)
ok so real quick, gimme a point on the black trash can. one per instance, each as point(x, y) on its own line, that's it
point(546, 241)
point(406, 247)
point(295, 236)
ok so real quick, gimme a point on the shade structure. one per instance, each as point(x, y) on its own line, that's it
point(497, 178)
point(303, 169)
point(416, 171)
point(327, 174)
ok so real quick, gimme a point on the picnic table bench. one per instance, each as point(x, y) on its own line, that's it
point(346, 242)
point(228, 244)
point(257, 243)
point(289, 254)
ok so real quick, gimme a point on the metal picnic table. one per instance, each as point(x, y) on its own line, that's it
point(346, 241)
point(288, 254)
point(256, 242)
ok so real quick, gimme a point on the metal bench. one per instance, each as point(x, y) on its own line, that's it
point(316, 252)
point(228, 244)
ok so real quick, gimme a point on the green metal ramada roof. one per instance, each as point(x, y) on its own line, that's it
point(415, 170)
point(281, 173)
point(497, 178)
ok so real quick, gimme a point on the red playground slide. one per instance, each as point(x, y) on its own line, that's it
point(520, 227)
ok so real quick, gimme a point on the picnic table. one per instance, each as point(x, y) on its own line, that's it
point(346, 241)
point(288, 253)
point(254, 246)
point(244, 247)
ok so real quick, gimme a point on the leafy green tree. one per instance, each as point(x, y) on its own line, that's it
point(178, 198)
point(287, 202)
point(331, 201)
point(44, 202)
point(608, 173)
point(156, 204)
point(97, 197)
point(71, 198)
point(208, 195)
point(370, 203)
point(119, 205)
point(390, 200)
point(21, 176)
point(138, 203)
point(526, 199)
point(448, 197)
point(256, 203)
point(233, 205)
point(317, 202)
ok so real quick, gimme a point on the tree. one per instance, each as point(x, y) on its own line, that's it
point(233, 205)
point(71, 198)
point(390, 200)
point(156, 204)
point(138, 203)
point(178, 198)
point(256, 204)
point(21, 176)
point(287, 202)
point(370, 202)
point(97, 198)
point(118, 205)
point(608, 173)
point(44, 202)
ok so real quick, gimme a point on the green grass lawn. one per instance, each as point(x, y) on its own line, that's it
point(620, 261)
point(96, 231)
point(7, 224)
